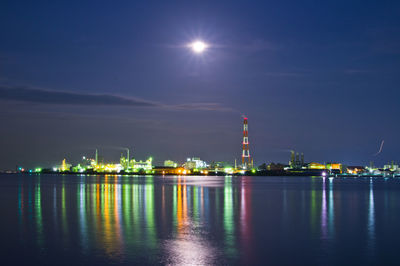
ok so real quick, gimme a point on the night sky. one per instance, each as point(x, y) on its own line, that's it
point(318, 77)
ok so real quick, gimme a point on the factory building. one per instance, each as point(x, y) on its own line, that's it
point(195, 163)
point(63, 167)
point(315, 165)
point(335, 168)
point(169, 163)
point(296, 160)
point(391, 166)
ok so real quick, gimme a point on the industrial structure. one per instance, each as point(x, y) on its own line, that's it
point(195, 166)
point(195, 163)
point(247, 162)
point(296, 160)
point(170, 163)
point(131, 165)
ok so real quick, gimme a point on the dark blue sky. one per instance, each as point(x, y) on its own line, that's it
point(318, 77)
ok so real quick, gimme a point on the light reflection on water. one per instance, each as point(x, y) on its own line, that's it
point(199, 220)
point(371, 218)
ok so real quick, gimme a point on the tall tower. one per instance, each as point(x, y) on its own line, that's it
point(128, 160)
point(292, 159)
point(246, 162)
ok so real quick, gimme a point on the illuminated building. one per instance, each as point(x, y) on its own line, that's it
point(131, 165)
point(391, 166)
point(90, 166)
point(221, 167)
point(195, 163)
point(335, 167)
point(292, 159)
point(79, 168)
point(166, 170)
point(169, 163)
point(355, 170)
point(296, 162)
point(63, 167)
point(124, 162)
point(314, 165)
point(87, 163)
point(145, 165)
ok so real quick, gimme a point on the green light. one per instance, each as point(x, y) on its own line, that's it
point(174, 208)
point(229, 225)
point(228, 170)
point(150, 212)
point(64, 210)
point(195, 203)
point(38, 218)
point(38, 170)
point(137, 209)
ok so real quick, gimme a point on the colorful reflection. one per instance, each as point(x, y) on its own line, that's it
point(201, 220)
point(38, 214)
point(331, 219)
point(327, 209)
point(116, 215)
point(245, 221)
point(314, 207)
point(64, 212)
point(324, 212)
point(229, 224)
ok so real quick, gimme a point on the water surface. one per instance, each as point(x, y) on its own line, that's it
point(67, 220)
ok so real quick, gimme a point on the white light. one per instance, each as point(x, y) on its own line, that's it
point(198, 46)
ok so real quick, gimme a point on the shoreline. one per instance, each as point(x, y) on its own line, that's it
point(211, 174)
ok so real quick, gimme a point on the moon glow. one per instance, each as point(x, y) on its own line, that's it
point(198, 46)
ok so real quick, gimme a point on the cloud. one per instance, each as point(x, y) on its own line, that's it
point(356, 71)
point(24, 94)
point(42, 96)
point(285, 74)
point(202, 106)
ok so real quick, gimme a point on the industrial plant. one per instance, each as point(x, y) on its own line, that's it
point(296, 166)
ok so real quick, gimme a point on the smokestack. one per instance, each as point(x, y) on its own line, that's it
point(96, 159)
point(291, 158)
point(127, 157)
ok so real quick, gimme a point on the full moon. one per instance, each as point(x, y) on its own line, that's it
point(198, 47)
